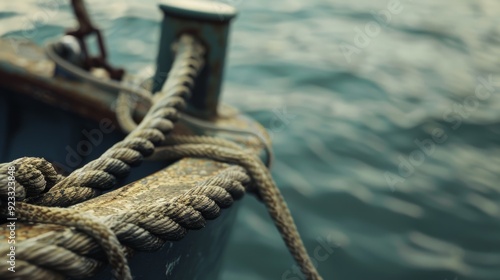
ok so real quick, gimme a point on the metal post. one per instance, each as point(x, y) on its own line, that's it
point(208, 22)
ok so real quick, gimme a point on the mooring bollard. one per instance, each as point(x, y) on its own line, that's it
point(209, 23)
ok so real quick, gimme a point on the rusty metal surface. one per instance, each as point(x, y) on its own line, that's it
point(162, 185)
point(85, 30)
point(210, 25)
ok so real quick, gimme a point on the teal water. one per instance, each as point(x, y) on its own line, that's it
point(387, 148)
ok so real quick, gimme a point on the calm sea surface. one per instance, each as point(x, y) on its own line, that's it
point(386, 128)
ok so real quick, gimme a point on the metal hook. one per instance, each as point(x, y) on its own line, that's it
point(86, 29)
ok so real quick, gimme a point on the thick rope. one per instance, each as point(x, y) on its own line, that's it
point(100, 233)
point(124, 114)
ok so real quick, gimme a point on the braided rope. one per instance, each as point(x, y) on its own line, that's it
point(100, 233)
